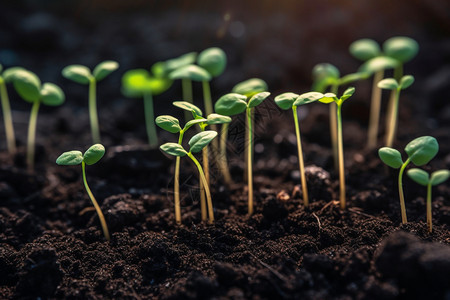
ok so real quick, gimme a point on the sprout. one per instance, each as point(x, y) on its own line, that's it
point(90, 157)
point(82, 74)
point(29, 87)
point(291, 100)
point(139, 83)
point(422, 177)
point(420, 151)
point(196, 144)
point(331, 98)
point(392, 84)
point(232, 104)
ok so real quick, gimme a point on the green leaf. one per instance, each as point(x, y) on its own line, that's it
point(78, 73)
point(401, 48)
point(250, 87)
point(217, 119)
point(201, 140)
point(390, 157)
point(168, 123)
point(347, 94)
point(422, 150)
point(325, 71)
point(70, 158)
point(192, 72)
point(173, 149)
point(378, 63)
point(328, 98)
point(352, 77)
point(193, 122)
point(365, 49)
point(439, 177)
point(137, 82)
point(406, 81)
point(8, 74)
point(388, 84)
point(188, 106)
point(105, 68)
point(212, 60)
point(52, 95)
point(231, 104)
point(181, 61)
point(285, 100)
point(419, 176)
point(27, 85)
point(257, 99)
point(308, 98)
point(159, 69)
point(93, 154)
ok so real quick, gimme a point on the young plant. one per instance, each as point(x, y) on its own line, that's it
point(29, 87)
point(139, 83)
point(291, 100)
point(392, 84)
point(331, 98)
point(420, 151)
point(83, 75)
point(423, 178)
point(90, 157)
point(196, 144)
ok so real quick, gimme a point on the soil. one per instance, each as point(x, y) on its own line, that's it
point(51, 244)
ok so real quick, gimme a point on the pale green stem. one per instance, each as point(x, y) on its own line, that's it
point(209, 110)
point(176, 186)
point(94, 202)
point(341, 158)
point(95, 129)
point(300, 158)
point(250, 161)
point(398, 73)
point(223, 155)
point(32, 135)
point(429, 215)
point(150, 120)
point(400, 191)
point(186, 86)
point(375, 106)
point(9, 129)
point(393, 122)
point(333, 128)
point(208, 193)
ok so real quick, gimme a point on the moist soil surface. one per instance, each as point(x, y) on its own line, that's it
point(52, 246)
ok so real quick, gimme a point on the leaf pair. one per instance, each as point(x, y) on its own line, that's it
point(400, 48)
point(288, 100)
point(326, 75)
point(235, 103)
point(423, 178)
point(392, 84)
point(196, 144)
point(90, 157)
point(82, 74)
point(138, 82)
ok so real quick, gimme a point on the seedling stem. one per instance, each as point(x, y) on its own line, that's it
point(300, 158)
point(32, 135)
point(341, 156)
point(10, 138)
point(400, 191)
point(429, 214)
point(93, 110)
point(149, 120)
point(177, 183)
point(249, 161)
point(392, 126)
point(186, 87)
point(223, 154)
point(333, 129)
point(375, 107)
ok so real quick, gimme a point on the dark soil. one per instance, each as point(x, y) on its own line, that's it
point(51, 247)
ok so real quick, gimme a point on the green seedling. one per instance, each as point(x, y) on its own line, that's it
point(423, 178)
point(83, 75)
point(90, 157)
point(172, 125)
point(139, 83)
point(233, 104)
point(420, 151)
point(29, 87)
point(5, 77)
point(291, 100)
point(196, 144)
point(331, 98)
point(396, 87)
point(376, 62)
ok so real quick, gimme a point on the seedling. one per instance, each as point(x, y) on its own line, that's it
point(196, 144)
point(291, 100)
point(139, 83)
point(83, 75)
point(423, 178)
point(420, 151)
point(392, 84)
point(331, 98)
point(29, 87)
point(90, 157)
point(376, 63)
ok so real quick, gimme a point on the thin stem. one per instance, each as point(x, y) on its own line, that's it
point(94, 202)
point(176, 186)
point(186, 86)
point(207, 191)
point(333, 128)
point(250, 161)
point(223, 155)
point(32, 135)
point(95, 129)
point(398, 73)
point(150, 120)
point(393, 122)
point(7, 117)
point(375, 106)
point(209, 110)
point(429, 215)
point(300, 158)
point(400, 191)
point(341, 158)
